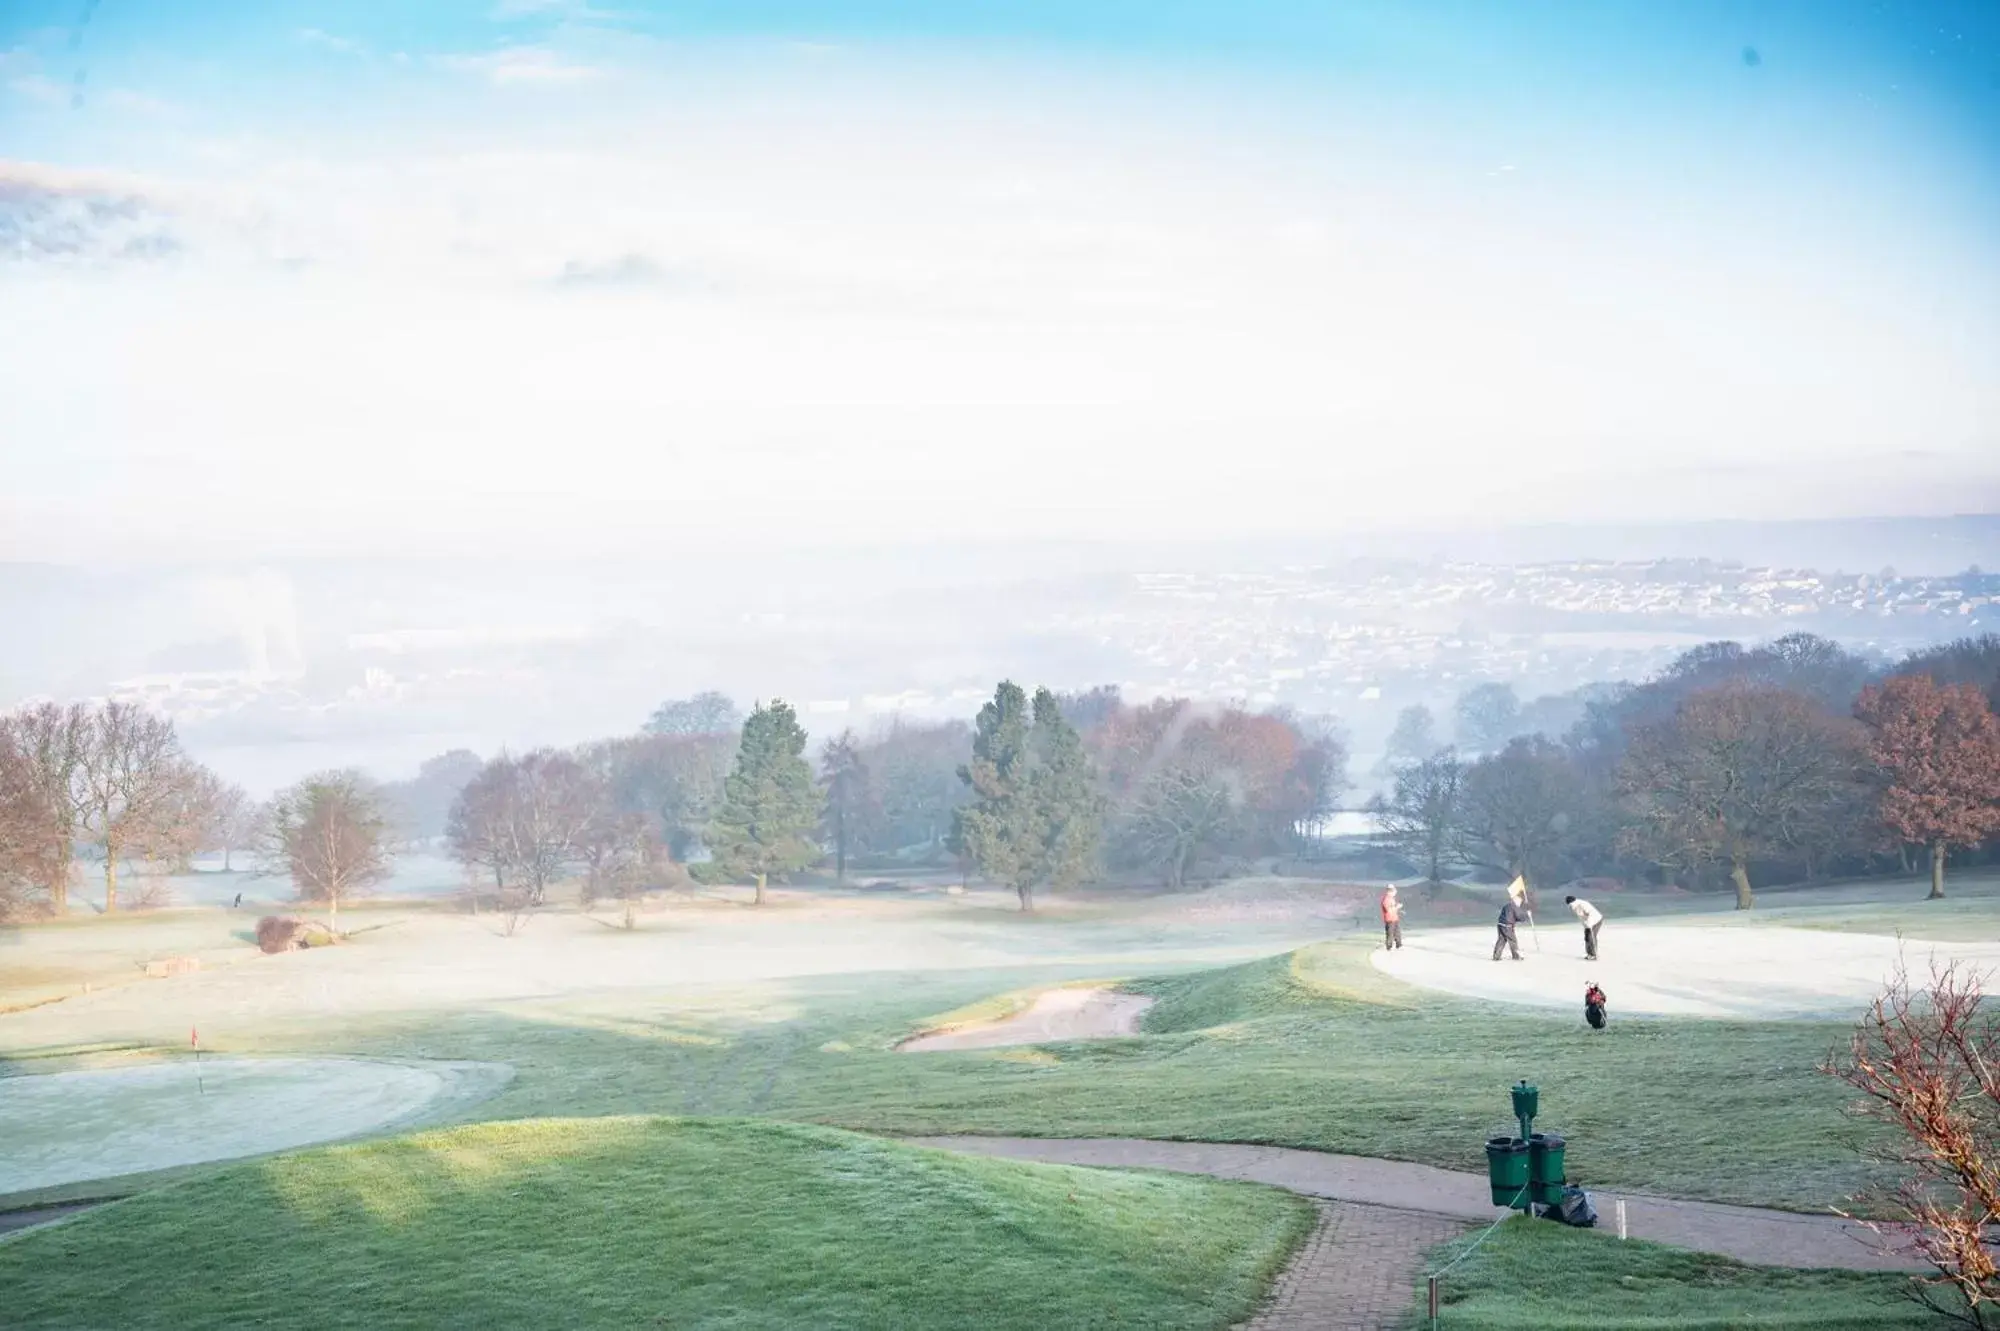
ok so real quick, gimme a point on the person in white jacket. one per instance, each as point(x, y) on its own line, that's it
point(1593, 920)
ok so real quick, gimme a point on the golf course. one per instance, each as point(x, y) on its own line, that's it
point(1205, 1109)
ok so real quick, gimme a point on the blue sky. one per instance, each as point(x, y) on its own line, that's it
point(1463, 261)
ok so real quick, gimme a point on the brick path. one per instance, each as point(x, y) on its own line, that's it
point(1355, 1272)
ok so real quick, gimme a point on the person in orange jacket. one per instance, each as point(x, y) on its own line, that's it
point(1392, 919)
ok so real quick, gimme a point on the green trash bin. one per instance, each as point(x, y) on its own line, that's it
point(1545, 1168)
point(1507, 1170)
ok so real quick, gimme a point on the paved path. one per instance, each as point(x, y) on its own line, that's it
point(1748, 1234)
point(1356, 1271)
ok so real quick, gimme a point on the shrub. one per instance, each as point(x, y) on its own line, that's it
point(279, 933)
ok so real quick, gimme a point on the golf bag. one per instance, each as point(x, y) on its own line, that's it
point(1593, 1007)
point(1574, 1209)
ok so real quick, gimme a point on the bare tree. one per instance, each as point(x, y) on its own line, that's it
point(528, 820)
point(53, 741)
point(331, 833)
point(1738, 772)
point(1421, 818)
point(1518, 808)
point(709, 713)
point(1185, 808)
point(30, 832)
point(1487, 716)
point(133, 780)
point(1927, 1063)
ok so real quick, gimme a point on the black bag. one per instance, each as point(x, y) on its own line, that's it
point(1574, 1208)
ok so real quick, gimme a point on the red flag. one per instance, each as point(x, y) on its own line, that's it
point(194, 1037)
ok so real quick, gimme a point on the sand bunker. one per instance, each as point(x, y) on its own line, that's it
point(1059, 1014)
point(1719, 970)
point(69, 1127)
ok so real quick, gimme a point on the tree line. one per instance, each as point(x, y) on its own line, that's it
point(1732, 765)
point(1791, 760)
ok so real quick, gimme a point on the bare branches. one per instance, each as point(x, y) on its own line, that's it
point(1927, 1063)
point(331, 834)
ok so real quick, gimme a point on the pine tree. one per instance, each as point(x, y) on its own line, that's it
point(1069, 810)
point(997, 830)
point(770, 803)
point(1036, 815)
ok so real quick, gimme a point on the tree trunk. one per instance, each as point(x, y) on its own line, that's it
point(1937, 871)
point(1026, 892)
point(225, 860)
point(110, 876)
point(333, 913)
point(760, 891)
point(59, 881)
point(1903, 854)
point(1740, 875)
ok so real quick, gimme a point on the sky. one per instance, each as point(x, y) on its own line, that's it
point(285, 278)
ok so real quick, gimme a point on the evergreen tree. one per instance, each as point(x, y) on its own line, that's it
point(1069, 810)
point(770, 803)
point(1035, 816)
point(851, 802)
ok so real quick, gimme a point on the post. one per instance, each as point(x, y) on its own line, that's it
point(1621, 1219)
point(1432, 1299)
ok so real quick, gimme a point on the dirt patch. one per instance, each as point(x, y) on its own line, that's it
point(1059, 1014)
point(70, 1127)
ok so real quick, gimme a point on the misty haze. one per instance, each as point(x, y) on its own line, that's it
point(1041, 666)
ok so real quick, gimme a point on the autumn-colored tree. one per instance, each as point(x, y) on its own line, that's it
point(1939, 746)
point(1737, 772)
point(331, 833)
point(52, 741)
point(29, 829)
point(1927, 1063)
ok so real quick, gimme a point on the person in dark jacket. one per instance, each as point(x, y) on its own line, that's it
point(1594, 1004)
point(1510, 916)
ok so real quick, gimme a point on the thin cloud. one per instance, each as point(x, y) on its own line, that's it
point(128, 99)
point(329, 42)
point(38, 89)
point(577, 11)
point(524, 66)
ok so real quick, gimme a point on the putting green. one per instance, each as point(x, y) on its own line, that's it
point(69, 1127)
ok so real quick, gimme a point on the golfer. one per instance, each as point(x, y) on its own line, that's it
point(1392, 920)
point(1510, 916)
point(1593, 920)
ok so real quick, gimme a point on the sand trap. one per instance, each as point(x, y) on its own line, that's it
point(1718, 970)
point(1059, 1014)
point(68, 1127)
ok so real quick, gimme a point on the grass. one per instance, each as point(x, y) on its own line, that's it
point(626, 1222)
point(1533, 1275)
point(1313, 1049)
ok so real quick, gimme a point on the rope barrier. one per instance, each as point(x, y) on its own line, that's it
point(1431, 1278)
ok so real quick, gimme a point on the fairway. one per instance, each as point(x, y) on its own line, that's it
point(1720, 967)
point(67, 1127)
point(629, 1222)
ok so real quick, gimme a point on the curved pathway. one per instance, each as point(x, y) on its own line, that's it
point(1746, 1233)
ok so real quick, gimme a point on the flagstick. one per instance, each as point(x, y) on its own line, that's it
point(194, 1038)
